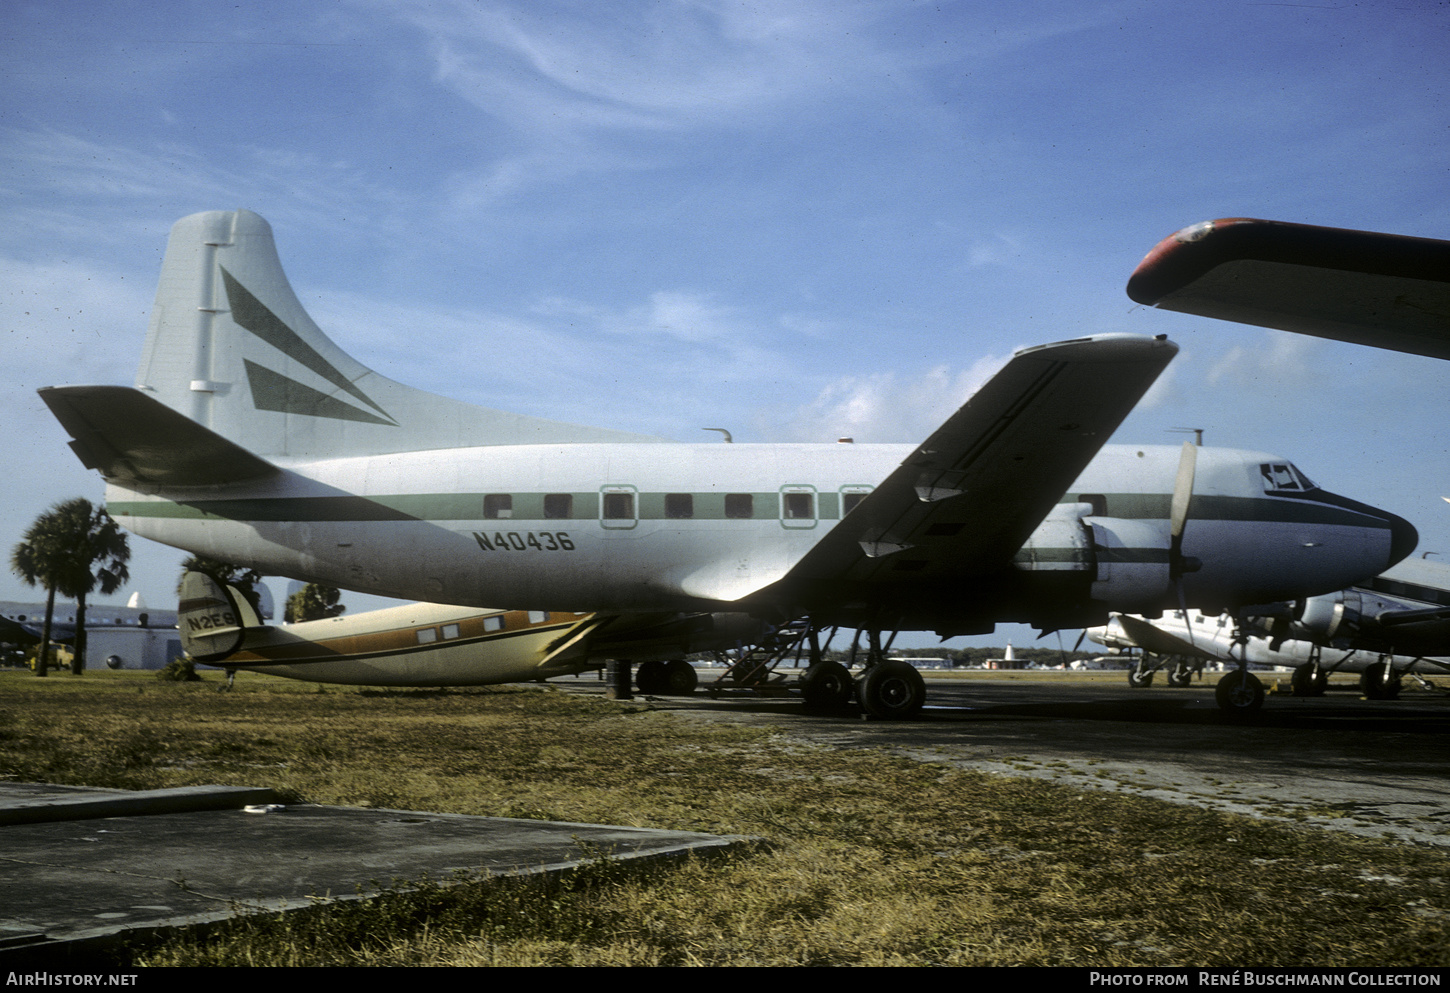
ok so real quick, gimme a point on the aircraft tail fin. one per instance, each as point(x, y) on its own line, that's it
point(232, 348)
point(213, 618)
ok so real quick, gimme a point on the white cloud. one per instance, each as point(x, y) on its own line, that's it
point(887, 407)
point(1281, 358)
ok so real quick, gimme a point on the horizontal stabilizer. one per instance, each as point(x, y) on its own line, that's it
point(1389, 291)
point(130, 436)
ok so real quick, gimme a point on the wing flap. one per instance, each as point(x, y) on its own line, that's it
point(128, 435)
point(1390, 291)
point(962, 504)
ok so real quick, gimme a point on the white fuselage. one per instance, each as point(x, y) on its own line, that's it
point(1212, 637)
point(591, 527)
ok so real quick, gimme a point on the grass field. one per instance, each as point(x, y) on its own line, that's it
point(869, 860)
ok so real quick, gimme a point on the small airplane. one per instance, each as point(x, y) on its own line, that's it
point(253, 438)
point(1395, 624)
point(429, 644)
point(1389, 291)
point(20, 630)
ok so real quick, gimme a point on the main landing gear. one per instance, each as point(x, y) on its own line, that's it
point(885, 688)
point(673, 678)
point(1380, 681)
point(1181, 670)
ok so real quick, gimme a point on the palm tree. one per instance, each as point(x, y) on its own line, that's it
point(73, 549)
point(313, 603)
point(244, 580)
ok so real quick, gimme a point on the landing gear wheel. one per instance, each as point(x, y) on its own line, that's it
point(1374, 684)
point(1239, 693)
point(826, 686)
point(892, 690)
point(1306, 683)
point(652, 678)
point(1138, 678)
point(680, 678)
point(1180, 676)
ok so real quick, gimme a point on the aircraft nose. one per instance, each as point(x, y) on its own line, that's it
point(1403, 538)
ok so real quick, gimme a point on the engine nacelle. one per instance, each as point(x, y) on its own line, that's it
point(1131, 557)
point(1320, 618)
point(1126, 559)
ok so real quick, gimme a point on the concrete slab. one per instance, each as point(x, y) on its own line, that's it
point(145, 864)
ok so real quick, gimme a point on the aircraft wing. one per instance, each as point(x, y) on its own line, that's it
point(1386, 290)
point(1394, 618)
point(967, 498)
point(15, 632)
point(1151, 638)
point(129, 435)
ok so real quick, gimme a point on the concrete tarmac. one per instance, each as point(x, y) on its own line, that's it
point(1377, 768)
point(81, 866)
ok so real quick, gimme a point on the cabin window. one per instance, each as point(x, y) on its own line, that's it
point(498, 506)
point(619, 506)
point(538, 616)
point(426, 636)
point(739, 506)
point(852, 496)
point(679, 506)
point(558, 506)
point(450, 631)
point(494, 623)
point(797, 506)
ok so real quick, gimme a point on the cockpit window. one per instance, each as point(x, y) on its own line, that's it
point(1283, 477)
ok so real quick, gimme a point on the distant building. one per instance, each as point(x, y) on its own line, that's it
point(1007, 661)
point(131, 637)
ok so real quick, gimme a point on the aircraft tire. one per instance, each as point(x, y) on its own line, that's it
point(1138, 679)
point(826, 686)
point(1305, 683)
point(892, 691)
point(1239, 693)
point(1181, 675)
point(1374, 686)
point(651, 678)
point(680, 678)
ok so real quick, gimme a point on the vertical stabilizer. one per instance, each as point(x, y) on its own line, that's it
point(231, 347)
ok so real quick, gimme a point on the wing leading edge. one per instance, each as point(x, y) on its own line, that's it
point(1389, 291)
point(962, 504)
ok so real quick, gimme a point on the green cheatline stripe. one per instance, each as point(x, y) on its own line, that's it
point(707, 507)
point(1284, 510)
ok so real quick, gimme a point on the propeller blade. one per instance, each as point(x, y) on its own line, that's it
point(1183, 489)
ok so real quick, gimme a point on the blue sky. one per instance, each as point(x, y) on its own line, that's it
point(795, 220)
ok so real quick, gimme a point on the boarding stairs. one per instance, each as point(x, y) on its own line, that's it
point(753, 668)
